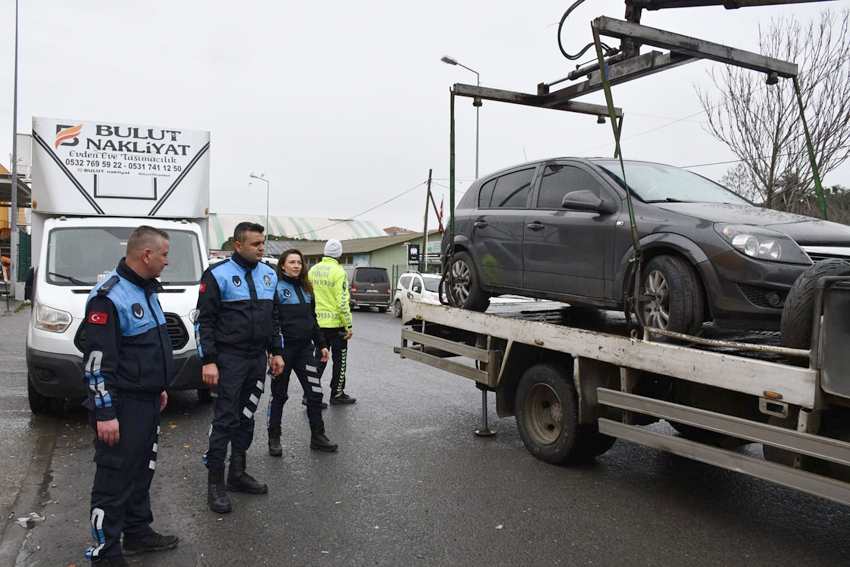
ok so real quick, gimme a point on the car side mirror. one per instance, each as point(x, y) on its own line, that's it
point(586, 201)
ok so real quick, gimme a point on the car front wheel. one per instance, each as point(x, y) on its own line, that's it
point(671, 298)
point(397, 309)
point(464, 286)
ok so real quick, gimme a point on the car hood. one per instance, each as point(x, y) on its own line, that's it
point(804, 230)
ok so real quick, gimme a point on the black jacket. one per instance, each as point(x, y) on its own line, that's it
point(237, 315)
point(128, 351)
point(297, 314)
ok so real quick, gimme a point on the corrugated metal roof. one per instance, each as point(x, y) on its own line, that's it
point(221, 227)
point(355, 246)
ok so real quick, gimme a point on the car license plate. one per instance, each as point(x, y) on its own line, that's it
point(371, 291)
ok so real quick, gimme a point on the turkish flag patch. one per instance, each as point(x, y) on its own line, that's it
point(97, 318)
point(203, 287)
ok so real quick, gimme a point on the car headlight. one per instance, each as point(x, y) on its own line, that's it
point(193, 315)
point(762, 243)
point(49, 319)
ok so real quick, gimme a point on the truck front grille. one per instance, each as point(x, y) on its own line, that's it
point(176, 332)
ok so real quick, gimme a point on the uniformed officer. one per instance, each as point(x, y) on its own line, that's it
point(330, 285)
point(236, 329)
point(128, 364)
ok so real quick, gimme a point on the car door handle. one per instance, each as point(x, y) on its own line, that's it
point(480, 224)
point(536, 226)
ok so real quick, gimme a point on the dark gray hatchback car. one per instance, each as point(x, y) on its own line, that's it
point(559, 229)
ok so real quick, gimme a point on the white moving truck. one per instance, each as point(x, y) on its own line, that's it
point(93, 184)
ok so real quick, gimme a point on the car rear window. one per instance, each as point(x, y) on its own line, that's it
point(372, 275)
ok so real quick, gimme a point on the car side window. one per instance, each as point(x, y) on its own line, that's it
point(558, 180)
point(404, 282)
point(486, 194)
point(417, 285)
point(512, 189)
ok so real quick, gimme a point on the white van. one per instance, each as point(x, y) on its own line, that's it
point(83, 213)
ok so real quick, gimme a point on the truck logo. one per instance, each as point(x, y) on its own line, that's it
point(138, 311)
point(67, 135)
point(236, 281)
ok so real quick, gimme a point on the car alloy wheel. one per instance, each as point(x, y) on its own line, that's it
point(656, 311)
point(461, 281)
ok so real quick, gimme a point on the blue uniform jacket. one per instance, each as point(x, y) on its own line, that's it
point(297, 314)
point(128, 351)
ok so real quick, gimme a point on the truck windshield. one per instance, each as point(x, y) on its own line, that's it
point(84, 255)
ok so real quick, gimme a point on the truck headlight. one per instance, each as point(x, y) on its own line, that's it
point(193, 315)
point(50, 319)
point(762, 243)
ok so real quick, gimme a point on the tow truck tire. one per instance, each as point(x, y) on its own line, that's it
point(204, 395)
point(42, 405)
point(397, 309)
point(673, 284)
point(593, 442)
point(465, 291)
point(797, 314)
point(547, 415)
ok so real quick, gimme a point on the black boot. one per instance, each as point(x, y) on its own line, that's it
point(240, 481)
point(216, 494)
point(275, 449)
point(320, 441)
point(323, 405)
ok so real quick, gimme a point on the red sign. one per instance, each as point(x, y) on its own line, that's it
point(97, 318)
point(203, 287)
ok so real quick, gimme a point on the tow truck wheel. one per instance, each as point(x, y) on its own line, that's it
point(42, 405)
point(397, 309)
point(465, 288)
point(798, 312)
point(547, 415)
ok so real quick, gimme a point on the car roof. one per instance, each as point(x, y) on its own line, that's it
point(556, 158)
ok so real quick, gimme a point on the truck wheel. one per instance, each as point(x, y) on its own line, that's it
point(204, 395)
point(397, 309)
point(675, 302)
point(547, 415)
point(465, 289)
point(42, 405)
point(796, 325)
point(594, 443)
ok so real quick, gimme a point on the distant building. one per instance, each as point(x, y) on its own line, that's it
point(221, 227)
point(394, 230)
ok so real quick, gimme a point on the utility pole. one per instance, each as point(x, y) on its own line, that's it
point(423, 261)
point(13, 238)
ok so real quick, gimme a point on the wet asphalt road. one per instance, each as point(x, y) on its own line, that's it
point(410, 485)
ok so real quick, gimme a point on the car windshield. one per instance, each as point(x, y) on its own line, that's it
point(432, 284)
point(84, 255)
point(655, 183)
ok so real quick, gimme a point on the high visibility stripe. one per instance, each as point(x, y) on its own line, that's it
point(311, 368)
point(313, 380)
point(247, 413)
point(317, 389)
point(261, 386)
point(254, 400)
point(152, 465)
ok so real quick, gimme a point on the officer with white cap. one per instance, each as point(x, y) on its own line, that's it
point(330, 286)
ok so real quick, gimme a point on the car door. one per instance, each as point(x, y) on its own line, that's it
point(416, 288)
point(498, 228)
point(570, 251)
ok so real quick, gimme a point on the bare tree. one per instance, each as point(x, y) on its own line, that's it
point(761, 123)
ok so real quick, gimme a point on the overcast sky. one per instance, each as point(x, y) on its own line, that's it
point(343, 105)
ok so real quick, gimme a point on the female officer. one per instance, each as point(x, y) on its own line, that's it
point(301, 336)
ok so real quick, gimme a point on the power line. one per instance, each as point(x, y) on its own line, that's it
point(403, 193)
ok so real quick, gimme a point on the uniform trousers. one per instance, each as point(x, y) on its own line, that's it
point(339, 353)
point(303, 361)
point(241, 382)
point(120, 496)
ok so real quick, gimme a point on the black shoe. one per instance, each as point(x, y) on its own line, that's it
point(112, 561)
point(275, 450)
point(152, 542)
point(240, 481)
point(319, 441)
point(324, 405)
point(216, 493)
point(342, 399)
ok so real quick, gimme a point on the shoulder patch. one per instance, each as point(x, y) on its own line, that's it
point(108, 284)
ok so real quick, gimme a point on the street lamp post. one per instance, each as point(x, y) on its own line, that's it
point(13, 209)
point(261, 177)
point(476, 102)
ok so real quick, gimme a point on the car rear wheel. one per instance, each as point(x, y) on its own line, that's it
point(42, 405)
point(798, 312)
point(397, 309)
point(464, 286)
point(672, 298)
